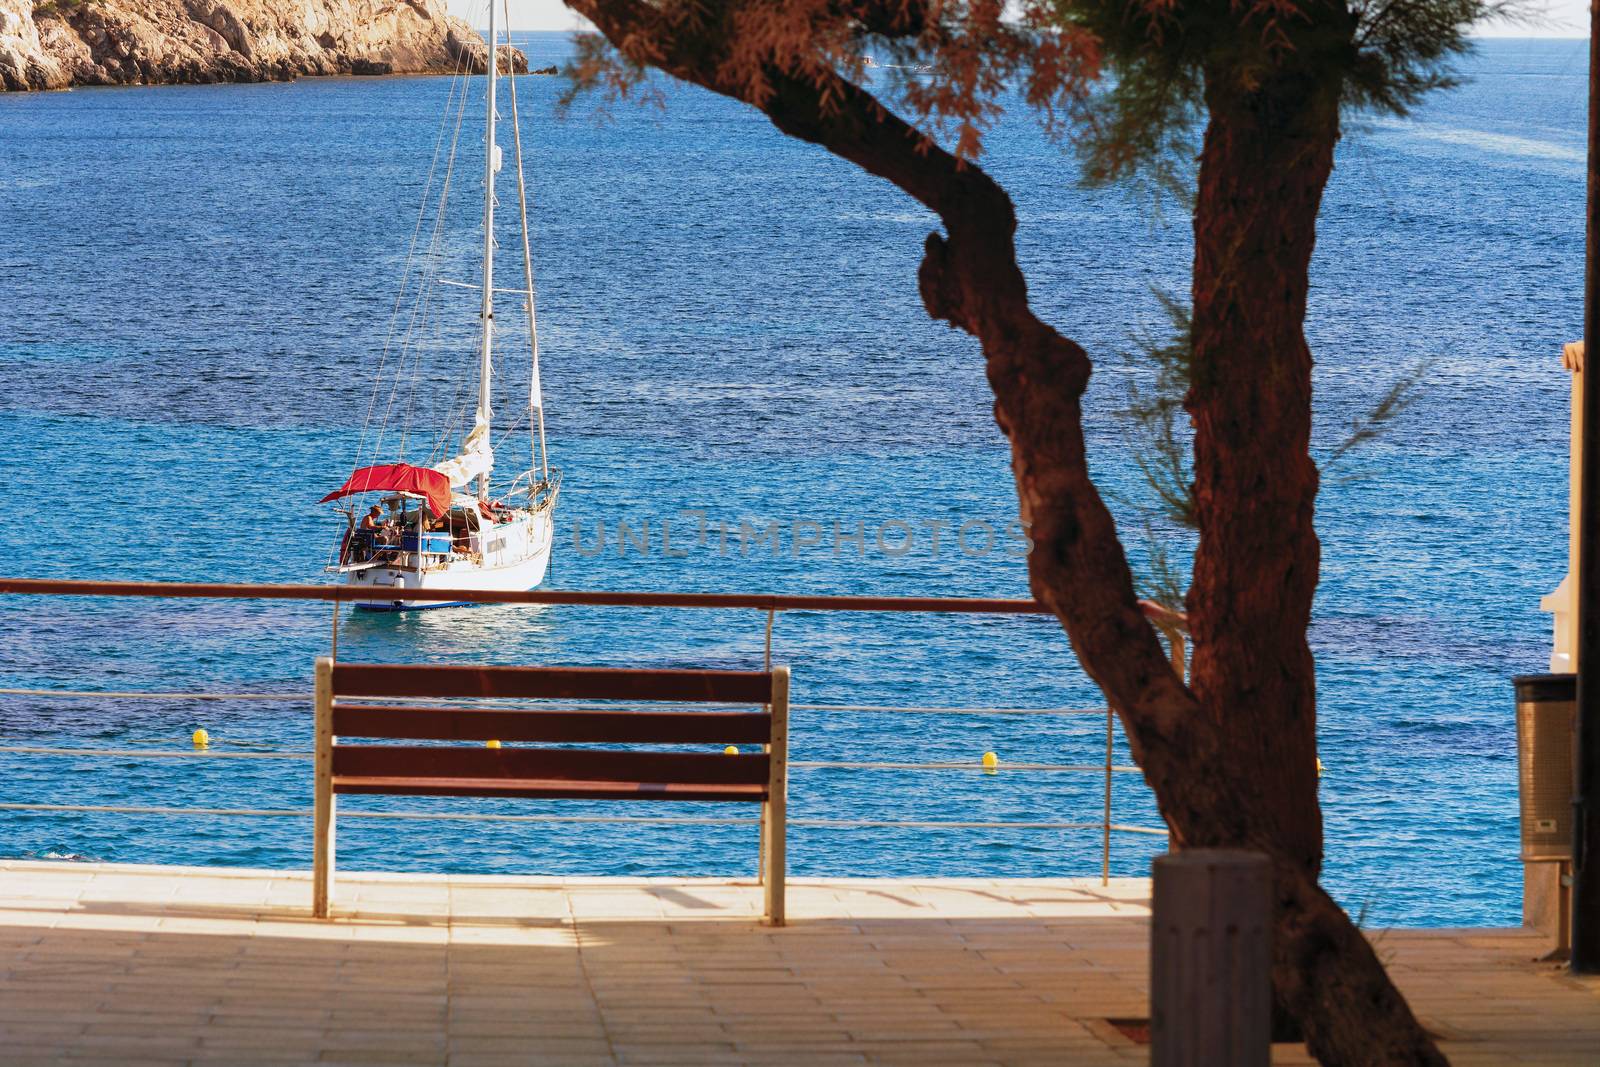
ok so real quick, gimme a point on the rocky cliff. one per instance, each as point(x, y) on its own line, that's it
point(53, 44)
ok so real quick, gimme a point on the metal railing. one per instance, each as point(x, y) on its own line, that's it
point(772, 605)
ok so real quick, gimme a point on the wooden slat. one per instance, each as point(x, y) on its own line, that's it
point(560, 683)
point(478, 724)
point(563, 764)
point(545, 788)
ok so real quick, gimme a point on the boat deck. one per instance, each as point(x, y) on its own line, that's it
point(140, 965)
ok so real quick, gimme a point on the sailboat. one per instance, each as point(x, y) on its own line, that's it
point(447, 525)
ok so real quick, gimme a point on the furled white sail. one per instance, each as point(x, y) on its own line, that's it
point(476, 457)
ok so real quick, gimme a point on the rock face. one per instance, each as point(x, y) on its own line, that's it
point(53, 44)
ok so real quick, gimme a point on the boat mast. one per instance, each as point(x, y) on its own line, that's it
point(491, 150)
point(535, 392)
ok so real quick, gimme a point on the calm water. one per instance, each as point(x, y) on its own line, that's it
point(195, 284)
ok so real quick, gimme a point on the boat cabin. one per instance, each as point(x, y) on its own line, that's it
point(405, 526)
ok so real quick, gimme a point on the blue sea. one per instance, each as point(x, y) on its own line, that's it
point(196, 285)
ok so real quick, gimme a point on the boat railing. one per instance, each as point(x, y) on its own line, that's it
point(771, 607)
point(540, 489)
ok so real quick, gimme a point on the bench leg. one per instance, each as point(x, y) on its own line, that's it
point(322, 861)
point(772, 862)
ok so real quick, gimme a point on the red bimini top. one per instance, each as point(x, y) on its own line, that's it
point(398, 477)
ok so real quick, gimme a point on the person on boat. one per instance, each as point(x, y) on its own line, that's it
point(360, 543)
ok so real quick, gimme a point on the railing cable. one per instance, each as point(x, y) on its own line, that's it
point(145, 753)
point(81, 694)
point(855, 765)
point(424, 816)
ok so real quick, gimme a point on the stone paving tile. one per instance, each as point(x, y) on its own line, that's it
point(143, 965)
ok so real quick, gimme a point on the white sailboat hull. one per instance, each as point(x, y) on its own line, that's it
point(507, 558)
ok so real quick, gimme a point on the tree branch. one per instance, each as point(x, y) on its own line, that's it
point(969, 277)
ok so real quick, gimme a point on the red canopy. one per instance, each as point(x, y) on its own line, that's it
point(398, 477)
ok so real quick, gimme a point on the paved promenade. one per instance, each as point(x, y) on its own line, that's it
point(142, 965)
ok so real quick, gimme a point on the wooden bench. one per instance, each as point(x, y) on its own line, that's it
point(539, 772)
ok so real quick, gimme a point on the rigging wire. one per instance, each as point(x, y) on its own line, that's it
point(414, 341)
point(456, 82)
point(509, 430)
point(460, 82)
point(419, 313)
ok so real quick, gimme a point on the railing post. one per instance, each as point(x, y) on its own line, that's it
point(1210, 959)
point(1105, 822)
point(775, 812)
point(323, 799)
point(1177, 651)
point(766, 656)
point(766, 665)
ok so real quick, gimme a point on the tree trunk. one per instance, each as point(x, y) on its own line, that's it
point(1267, 157)
point(1262, 172)
point(1232, 761)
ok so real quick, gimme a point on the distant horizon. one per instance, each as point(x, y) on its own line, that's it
point(1490, 35)
point(1563, 20)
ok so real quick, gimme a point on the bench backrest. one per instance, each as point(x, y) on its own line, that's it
point(634, 774)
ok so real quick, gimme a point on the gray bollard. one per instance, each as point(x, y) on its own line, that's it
point(1211, 959)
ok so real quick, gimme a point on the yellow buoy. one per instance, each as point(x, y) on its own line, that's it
point(1319, 766)
point(201, 739)
point(491, 744)
point(990, 761)
point(731, 750)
